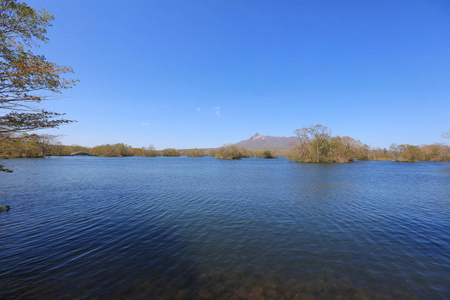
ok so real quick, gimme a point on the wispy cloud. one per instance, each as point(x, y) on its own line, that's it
point(198, 109)
point(145, 124)
point(217, 110)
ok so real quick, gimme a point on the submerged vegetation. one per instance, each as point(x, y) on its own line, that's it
point(4, 208)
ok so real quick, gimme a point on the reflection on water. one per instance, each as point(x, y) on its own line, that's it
point(183, 228)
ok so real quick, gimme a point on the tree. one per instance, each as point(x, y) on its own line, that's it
point(312, 145)
point(45, 143)
point(435, 152)
point(26, 78)
point(316, 145)
point(406, 153)
point(170, 152)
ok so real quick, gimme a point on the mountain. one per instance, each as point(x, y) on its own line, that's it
point(260, 142)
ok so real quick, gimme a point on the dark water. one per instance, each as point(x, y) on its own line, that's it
point(201, 228)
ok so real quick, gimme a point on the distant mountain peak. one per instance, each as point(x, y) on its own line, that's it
point(259, 142)
point(256, 136)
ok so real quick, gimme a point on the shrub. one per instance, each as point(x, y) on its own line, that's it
point(266, 154)
point(194, 153)
point(170, 152)
point(232, 152)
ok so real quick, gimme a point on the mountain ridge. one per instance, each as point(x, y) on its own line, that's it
point(259, 142)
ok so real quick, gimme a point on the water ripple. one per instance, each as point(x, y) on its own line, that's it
point(181, 228)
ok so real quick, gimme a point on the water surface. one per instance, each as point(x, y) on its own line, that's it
point(183, 228)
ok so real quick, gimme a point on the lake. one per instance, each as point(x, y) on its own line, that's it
point(203, 228)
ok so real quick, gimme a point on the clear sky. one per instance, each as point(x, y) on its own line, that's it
point(187, 74)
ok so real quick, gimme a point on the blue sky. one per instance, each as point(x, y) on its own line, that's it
point(190, 74)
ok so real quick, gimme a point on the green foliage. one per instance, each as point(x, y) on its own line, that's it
point(380, 154)
point(26, 79)
point(145, 151)
point(230, 152)
point(63, 150)
point(20, 19)
point(316, 145)
point(3, 169)
point(108, 150)
point(312, 144)
point(115, 150)
point(170, 152)
point(266, 154)
point(5, 208)
point(328, 150)
point(212, 152)
point(27, 146)
point(406, 153)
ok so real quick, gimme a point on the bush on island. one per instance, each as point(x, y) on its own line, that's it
point(232, 152)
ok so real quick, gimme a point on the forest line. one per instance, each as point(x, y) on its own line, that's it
point(314, 144)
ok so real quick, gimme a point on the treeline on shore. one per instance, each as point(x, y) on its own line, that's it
point(314, 144)
point(35, 146)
